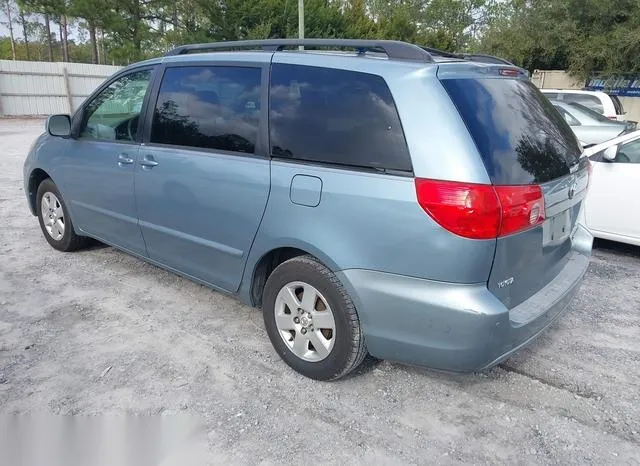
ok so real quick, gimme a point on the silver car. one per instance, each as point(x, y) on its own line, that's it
point(589, 126)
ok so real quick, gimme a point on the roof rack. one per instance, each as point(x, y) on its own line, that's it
point(394, 49)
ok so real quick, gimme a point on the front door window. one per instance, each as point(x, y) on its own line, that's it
point(113, 114)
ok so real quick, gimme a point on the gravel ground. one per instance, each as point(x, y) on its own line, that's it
point(173, 346)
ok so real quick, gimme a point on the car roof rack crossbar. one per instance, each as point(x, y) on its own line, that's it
point(394, 49)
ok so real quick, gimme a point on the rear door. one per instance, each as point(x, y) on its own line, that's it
point(523, 140)
point(202, 179)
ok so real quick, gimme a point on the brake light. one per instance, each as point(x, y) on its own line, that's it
point(522, 207)
point(612, 118)
point(509, 72)
point(480, 211)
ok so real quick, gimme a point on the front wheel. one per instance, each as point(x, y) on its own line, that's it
point(54, 219)
point(311, 320)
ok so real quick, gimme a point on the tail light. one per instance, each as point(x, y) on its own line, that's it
point(480, 211)
point(612, 118)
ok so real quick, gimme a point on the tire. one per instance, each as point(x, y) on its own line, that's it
point(54, 205)
point(344, 347)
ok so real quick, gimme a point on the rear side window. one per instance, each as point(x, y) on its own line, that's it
point(208, 107)
point(551, 95)
point(521, 138)
point(590, 101)
point(335, 116)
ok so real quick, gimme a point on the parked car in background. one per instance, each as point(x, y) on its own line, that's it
point(611, 207)
point(420, 207)
point(589, 126)
point(600, 102)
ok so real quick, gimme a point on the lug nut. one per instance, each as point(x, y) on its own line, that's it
point(303, 331)
point(296, 320)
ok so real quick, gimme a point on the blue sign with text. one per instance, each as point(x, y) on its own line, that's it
point(628, 86)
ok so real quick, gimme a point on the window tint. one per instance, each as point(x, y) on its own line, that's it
point(209, 107)
point(551, 95)
point(335, 116)
point(520, 136)
point(571, 121)
point(590, 101)
point(114, 113)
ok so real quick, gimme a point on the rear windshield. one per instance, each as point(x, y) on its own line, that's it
point(520, 135)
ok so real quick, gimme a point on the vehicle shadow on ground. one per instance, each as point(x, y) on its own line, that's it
point(616, 248)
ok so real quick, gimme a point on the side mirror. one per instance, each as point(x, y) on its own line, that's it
point(59, 125)
point(610, 153)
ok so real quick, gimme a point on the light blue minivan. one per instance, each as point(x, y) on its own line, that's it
point(395, 200)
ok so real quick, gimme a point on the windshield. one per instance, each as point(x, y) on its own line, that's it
point(590, 113)
point(521, 138)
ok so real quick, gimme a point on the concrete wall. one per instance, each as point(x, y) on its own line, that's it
point(557, 79)
point(42, 88)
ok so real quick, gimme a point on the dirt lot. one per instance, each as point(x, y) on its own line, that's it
point(177, 347)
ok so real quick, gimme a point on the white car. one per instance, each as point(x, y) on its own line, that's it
point(609, 211)
point(601, 102)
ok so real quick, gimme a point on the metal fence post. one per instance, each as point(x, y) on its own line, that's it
point(67, 88)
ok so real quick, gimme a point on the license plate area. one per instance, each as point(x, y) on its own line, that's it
point(557, 229)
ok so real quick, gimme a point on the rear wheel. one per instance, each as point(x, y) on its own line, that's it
point(54, 219)
point(311, 320)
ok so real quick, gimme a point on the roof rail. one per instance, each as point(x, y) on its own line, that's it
point(394, 49)
point(477, 57)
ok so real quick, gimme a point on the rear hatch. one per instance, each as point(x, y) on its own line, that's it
point(523, 141)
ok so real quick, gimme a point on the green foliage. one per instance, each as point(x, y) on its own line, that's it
point(579, 35)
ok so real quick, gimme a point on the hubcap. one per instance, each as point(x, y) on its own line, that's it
point(52, 216)
point(305, 321)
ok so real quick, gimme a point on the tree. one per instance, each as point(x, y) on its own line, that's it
point(49, 9)
point(25, 26)
point(8, 10)
point(95, 13)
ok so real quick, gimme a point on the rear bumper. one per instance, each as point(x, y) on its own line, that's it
point(456, 327)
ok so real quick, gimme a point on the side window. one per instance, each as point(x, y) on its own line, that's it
point(335, 116)
point(211, 107)
point(114, 113)
point(589, 101)
point(629, 152)
point(550, 95)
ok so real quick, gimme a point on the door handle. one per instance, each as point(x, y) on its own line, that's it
point(124, 159)
point(148, 162)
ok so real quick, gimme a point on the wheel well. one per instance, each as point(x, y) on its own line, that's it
point(37, 176)
point(266, 265)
